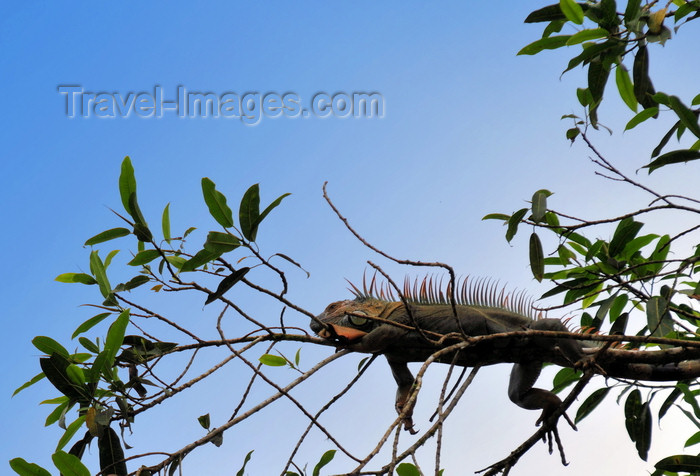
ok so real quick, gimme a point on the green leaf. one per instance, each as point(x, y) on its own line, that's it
point(111, 453)
point(267, 210)
point(216, 202)
point(202, 257)
point(643, 429)
point(249, 211)
point(659, 319)
point(550, 13)
point(127, 184)
point(632, 10)
point(89, 324)
point(513, 223)
point(272, 360)
point(165, 223)
point(625, 232)
point(641, 117)
point(643, 88)
point(572, 11)
point(226, 284)
point(686, 116)
point(219, 243)
point(76, 374)
point(587, 35)
point(204, 421)
point(325, 459)
point(24, 468)
point(241, 471)
point(617, 306)
point(81, 278)
point(69, 434)
point(55, 369)
point(135, 282)
point(625, 87)
point(49, 346)
point(591, 403)
point(89, 345)
point(31, 382)
point(674, 157)
point(693, 440)
point(107, 235)
point(536, 257)
point(564, 378)
point(496, 216)
point(668, 403)
point(98, 271)
point(539, 204)
point(549, 43)
point(115, 336)
point(407, 469)
point(144, 257)
point(679, 463)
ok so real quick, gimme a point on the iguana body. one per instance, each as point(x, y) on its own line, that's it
point(412, 332)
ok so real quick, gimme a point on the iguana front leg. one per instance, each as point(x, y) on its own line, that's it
point(404, 381)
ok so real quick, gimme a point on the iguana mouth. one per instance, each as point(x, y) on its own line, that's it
point(341, 331)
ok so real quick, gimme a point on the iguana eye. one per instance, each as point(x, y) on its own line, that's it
point(357, 320)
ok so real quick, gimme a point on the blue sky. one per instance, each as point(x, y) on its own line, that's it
point(468, 128)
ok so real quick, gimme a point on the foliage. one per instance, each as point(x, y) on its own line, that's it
point(114, 377)
point(656, 273)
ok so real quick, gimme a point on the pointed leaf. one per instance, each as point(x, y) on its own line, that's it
point(165, 223)
point(514, 222)
point(76, 278)
point(625, 232)
point(111, 453)
point(31, 382)
point(659, 319)
point(216, 202)
point(226, 284)
point(49, 346)
point(241, 471)
point(69, 465)
point(641, 117)
point(23, 468)
point(127, 183)
point(107, 235)
point(536, 257)
point(89, 324)
point(249, 211)
point(587, 35)
point(687, 117)
point(539, 204)
point(680, 464)
point(272, 360)
point(265, 212)
point(98, 271)
point(549, 43)
point(591, 403)
point(625, 87)
point(325, 459)
point(144, 257)
point(572, 11)
point(219, 243)
point(202, 257)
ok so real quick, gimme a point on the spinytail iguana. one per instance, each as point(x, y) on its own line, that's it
point(374, 322)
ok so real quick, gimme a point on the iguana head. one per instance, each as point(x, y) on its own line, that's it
point(348, 320)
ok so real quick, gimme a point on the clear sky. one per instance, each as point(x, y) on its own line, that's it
point(466, 128)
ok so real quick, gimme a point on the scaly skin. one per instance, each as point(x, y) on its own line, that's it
point(365, 325)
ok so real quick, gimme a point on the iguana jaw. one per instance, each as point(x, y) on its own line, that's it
point(348, 333)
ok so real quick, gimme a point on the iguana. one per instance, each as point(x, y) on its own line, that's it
point(375, 322)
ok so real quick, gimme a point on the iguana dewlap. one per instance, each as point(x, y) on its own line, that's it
point(366, 324)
